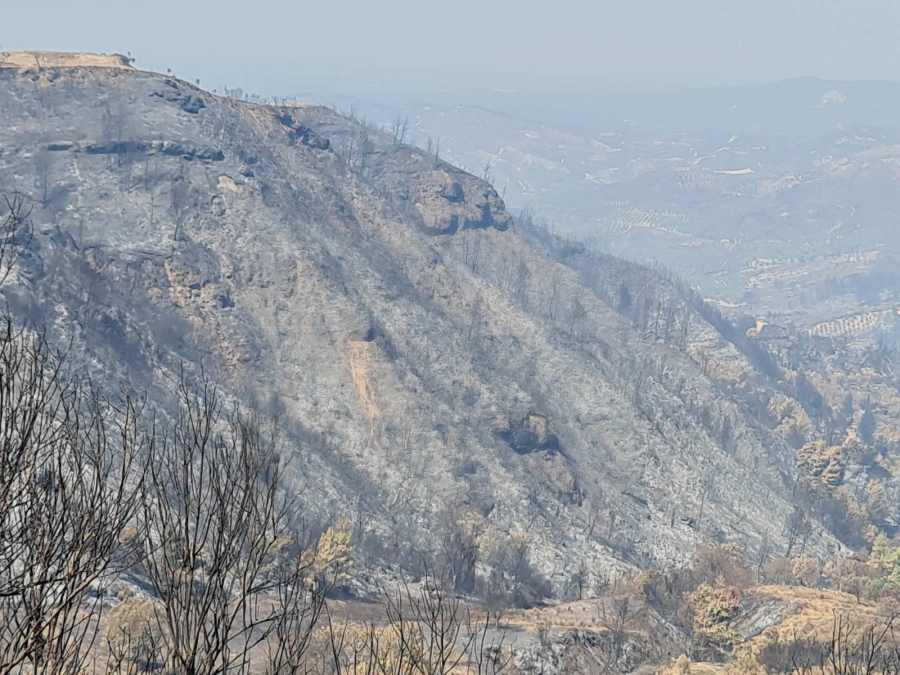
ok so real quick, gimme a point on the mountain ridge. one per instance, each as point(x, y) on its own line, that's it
point(429, 361)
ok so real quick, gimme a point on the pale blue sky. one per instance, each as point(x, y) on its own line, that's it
point(277, 46)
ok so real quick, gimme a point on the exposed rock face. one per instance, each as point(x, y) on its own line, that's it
point(171, 92)
point(369, 334)
point(384, 308)
point(448, 203)
point(534, 432)
point(129, 149)
point(299, 132)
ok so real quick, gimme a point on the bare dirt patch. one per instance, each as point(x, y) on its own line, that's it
point(62, 60)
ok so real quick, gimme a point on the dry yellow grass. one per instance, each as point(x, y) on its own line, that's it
point(682, 667)
point(62, 60)
point(813, 610)
point(584, 614)
point(809, 615)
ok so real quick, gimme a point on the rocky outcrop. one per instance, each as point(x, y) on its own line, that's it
point(302, 133)
point(532, 433)
point(366, 334)
point(187, 101)
point(449, 201)
point(440, 198)
point(135, 148)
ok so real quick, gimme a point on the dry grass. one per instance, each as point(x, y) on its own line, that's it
point(706, 669)
point(812, 610)
point(809, 615)
point(62, 60)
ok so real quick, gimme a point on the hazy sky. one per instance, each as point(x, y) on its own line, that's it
point(281, 46)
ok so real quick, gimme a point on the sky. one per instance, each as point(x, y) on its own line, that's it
point(283, 47)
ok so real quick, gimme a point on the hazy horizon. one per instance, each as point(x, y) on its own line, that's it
point(275, 47)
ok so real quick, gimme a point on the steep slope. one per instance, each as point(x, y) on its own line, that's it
point(433, 369)
point(832, 398)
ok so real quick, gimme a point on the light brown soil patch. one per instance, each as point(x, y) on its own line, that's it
point(62, 60)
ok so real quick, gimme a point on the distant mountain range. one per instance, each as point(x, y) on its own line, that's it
point(799, 106)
